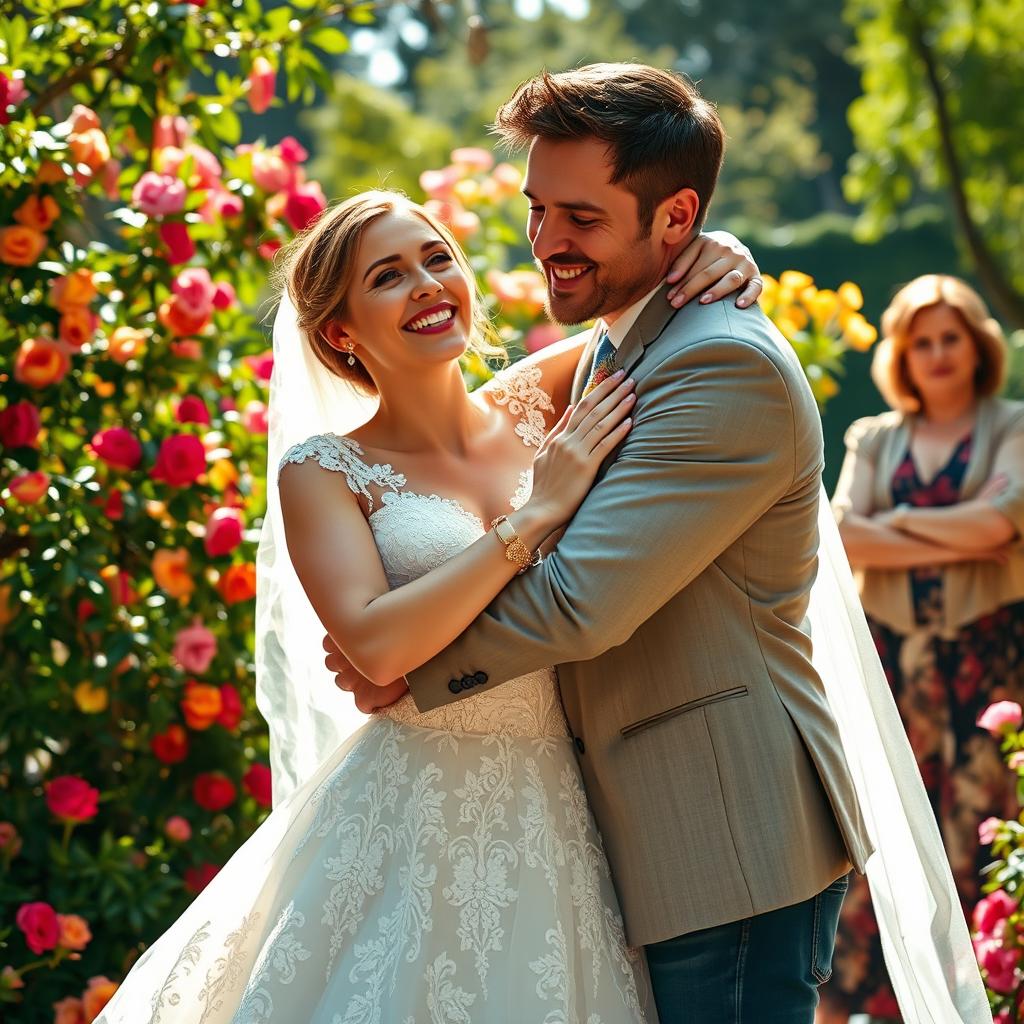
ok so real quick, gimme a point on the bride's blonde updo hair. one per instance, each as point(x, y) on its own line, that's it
point(317, 268)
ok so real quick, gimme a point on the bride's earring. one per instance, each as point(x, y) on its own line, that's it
point(351, 358)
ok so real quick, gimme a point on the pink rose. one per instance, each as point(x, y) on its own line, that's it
point(261, 84)
point(158, 195)
point(270, 171)
point(30, 488)
point(438, 184)
point(1002, 717)
point(38, 922)
point(179, 247)
point(254, 417)
point(117, 447)
point(291, 150)
point(20, 425)
point(987, 831)
point(257, 783)
point(542, 335)
point(192, 409)
point(181, 461)
point(221, 205)
point(304, 204)
point(223, 532)
point(195, 292)
point(262, 366)
point(267, 250)
point(224, 295)
point(194, 648)
point(178, 829)
point(12, 93)
point(995, 907)
point(999, 964)
point(473, 159)
point(169, 130)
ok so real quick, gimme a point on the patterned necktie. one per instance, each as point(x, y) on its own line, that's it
point(603, 365)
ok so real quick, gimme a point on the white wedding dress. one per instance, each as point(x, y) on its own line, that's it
point(440, 868)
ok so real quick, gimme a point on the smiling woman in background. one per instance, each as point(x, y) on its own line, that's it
point(930, 504)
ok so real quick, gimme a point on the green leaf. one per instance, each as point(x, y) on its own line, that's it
point(330, 40)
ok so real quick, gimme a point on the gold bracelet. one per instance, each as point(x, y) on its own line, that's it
point(515, 550)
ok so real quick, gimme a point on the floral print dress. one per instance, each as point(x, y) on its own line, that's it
point(940, 685)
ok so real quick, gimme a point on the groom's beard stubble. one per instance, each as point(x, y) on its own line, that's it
point(615, 288)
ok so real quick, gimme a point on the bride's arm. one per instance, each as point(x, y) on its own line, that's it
point(383, 632)
point(712, 266)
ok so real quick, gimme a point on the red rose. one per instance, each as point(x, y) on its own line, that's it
point(20, 425)
point(224, 295)
point(292, 151)
point(223, 532)
point(179, 246)
point(257, 783)
point(213, 791)
point(71, 798)
point(304, 204)
point(171, 746)
point(262, 366)
point(114, 507)
point(117, 447)
point(192, 409)
point(197, 879)
point(230, 707)
point(181, 460)
point(39, 923)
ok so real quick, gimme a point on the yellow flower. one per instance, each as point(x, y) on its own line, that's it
point(467, 190)
point(769, 292)
point(91, 700)
point(859, 333)
point(822, 306)
point(222, 474)
point(795, 280)
point(850, 295)
point(789, 328)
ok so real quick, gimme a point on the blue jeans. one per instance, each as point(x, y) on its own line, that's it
point(761, 970)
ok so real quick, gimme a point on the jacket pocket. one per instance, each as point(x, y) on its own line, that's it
point(682, 709)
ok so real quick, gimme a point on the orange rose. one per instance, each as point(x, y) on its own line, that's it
point(77, 326)
point(174, 315)
point(170, 570)
point(126, 343)
point(41, 362)
point(21, 246)
point(49, 173)
point(30, 488)
point(74, 289)
point(74, 931)
point(68, 1011)
point(90, 148)
point(100, 991)
point(201, 704)
point(238, 583)
point(37, 212)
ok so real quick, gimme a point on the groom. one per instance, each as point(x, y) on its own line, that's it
point(673, 603)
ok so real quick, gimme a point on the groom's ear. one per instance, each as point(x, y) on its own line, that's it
point(679, 214)
point(336, 335)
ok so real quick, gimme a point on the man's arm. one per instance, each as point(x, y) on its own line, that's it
point(711, 449)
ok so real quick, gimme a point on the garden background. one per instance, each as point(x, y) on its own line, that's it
point(154, 156)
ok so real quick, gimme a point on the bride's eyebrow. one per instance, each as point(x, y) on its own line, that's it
point(394, 258)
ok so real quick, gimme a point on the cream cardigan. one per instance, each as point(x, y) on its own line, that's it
point(970, 589)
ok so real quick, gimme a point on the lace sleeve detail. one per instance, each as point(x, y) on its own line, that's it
point(518, 388)
point(343, 455)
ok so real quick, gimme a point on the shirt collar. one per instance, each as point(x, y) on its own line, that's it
point(617, 331)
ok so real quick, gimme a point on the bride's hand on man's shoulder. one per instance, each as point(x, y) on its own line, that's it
point(369, 696)
point(713, 265)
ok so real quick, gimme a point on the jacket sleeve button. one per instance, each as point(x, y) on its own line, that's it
point(455, 686)
point(480, 677)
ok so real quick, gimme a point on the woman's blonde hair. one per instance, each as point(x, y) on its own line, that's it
point(889, 367)
point(317, 268)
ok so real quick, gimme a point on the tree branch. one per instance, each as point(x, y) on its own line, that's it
point(1005, 298)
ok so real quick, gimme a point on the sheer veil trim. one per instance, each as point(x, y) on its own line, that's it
point(294, 691)
point(924, 936)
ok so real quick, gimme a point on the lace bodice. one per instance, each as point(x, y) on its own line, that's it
point(415, 533)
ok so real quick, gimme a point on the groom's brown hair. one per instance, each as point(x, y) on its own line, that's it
point(662, 135)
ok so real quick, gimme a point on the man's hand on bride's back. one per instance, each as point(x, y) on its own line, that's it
point(712, 266)
point(369, 697)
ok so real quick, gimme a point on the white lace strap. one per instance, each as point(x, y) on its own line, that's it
point(343, 455)
point(517, 387)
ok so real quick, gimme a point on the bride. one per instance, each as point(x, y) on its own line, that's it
point(441, 867)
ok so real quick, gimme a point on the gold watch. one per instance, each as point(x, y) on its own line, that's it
point(515, 550)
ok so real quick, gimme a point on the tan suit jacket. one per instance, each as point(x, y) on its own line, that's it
point(673, 609)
